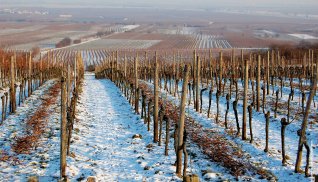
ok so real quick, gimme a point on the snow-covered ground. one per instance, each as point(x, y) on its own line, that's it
point(42, 161)
point(303, 36)
point(103, 145)
point(272, 160)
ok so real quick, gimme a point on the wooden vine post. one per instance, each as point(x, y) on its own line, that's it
point(136, 86)
point(245, 99)
point(258, 83)
point(146, 66)
point(272, 70)
point(220, 72)
point(12, 87)
point(41, 69)
point(284, 124)
point(68, 85)
point(276, 103)
point(267, 73)
point(211, 67)
point(63, 147)
point(3, 109)
point(181, 120)
point(156, 102)
point(161, 115)
point(112, 66)
point(242, 62)
point(47, 61)
point(116, 66)
point(30, 76)
point(197, 84)
point(250, 115)
point(227, 109)
point(267, 115)
point(194, 77)
point(75, 69)
point(194, 65)
point(167, 135)
point(218, 93)
point(125, 66)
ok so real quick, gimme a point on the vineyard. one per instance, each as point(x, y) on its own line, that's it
point(219, 83)
point(138, 114)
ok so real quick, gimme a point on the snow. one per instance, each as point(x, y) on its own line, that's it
point(47, 155)
point(269, 32)
point(272, 160)
point(130, 27)
point(103, 145)
point(303, 36)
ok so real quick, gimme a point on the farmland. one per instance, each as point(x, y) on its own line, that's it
point(117, 44)
point(221, 33)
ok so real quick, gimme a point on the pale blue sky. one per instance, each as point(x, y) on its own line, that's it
point(300, 4)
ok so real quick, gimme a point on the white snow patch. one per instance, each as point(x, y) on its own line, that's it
point(303, 36)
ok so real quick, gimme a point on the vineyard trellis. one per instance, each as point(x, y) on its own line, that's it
point(24, 72)
point(20, 76)
point(270, 70)
point(150, 79)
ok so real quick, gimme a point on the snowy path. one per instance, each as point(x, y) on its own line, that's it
point(105, 148)
point(106, 143)
point(103, 144)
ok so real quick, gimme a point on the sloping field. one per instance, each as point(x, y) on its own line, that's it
point(116, 44)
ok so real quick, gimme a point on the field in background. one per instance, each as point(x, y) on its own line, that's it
point(165, 29)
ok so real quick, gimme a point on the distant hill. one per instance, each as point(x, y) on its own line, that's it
point(294, 6)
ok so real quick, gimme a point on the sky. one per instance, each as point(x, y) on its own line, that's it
point(303, 4)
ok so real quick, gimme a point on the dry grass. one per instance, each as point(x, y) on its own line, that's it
point(36, 124)
point(5, 157)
